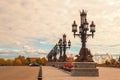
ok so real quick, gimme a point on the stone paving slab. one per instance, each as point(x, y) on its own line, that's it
point(18, 73)
point(105, 73)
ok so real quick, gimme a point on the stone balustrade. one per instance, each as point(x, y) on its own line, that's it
point(79, 68)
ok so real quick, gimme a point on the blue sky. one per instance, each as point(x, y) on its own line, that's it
point(33, 27)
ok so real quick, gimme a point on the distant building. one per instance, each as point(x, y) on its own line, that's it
point(33, 59)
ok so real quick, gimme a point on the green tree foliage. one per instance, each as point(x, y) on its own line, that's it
point(23, 60)
point(9, 62)
point(39, 61)
point(28, 60)
point(107, 62)
point(113, 61)
point(2, 62)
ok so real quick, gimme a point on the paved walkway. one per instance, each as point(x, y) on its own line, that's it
point(51, 73)
point(18, 73)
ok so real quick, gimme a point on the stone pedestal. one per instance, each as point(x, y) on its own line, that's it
point(84, 56)
point(84, 69)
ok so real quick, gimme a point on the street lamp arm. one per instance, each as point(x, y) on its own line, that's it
point(88, 35)
point(68, 47)
point(76, 35)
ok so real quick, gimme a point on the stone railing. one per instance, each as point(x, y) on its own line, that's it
point(79, 68)
point(84, 65)
point(57, 64)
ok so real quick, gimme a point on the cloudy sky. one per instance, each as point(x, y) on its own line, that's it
point(33, 27)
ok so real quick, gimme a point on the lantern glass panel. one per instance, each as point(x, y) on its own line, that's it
point(81, 30)
point(74, 27)
point(69, 43)
point(86, 26)
point(83, 19)
point(92, 29)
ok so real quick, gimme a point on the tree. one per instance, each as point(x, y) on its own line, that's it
point(9, 62)
point(17, 61)
point(44, 61)
point(28, 60)
point(107, 62)
point(22, 59)
point(39, 61)
point(113, 61)
point(2, 62)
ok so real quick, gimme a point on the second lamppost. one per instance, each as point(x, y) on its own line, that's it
point(63, 46)
point(84, 54)
point(55, 51)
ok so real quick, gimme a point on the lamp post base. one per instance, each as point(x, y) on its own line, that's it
point(84, 56)
point(84, 69)
point(60, 59)
point(64, 57)
point(55, 59)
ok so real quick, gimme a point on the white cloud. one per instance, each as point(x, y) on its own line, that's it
point(21, 22)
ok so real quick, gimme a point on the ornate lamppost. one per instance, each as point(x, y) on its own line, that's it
point(84, 54)
point(52, 54)
point(63, 46)
point(55, 51)
point(49, 56)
